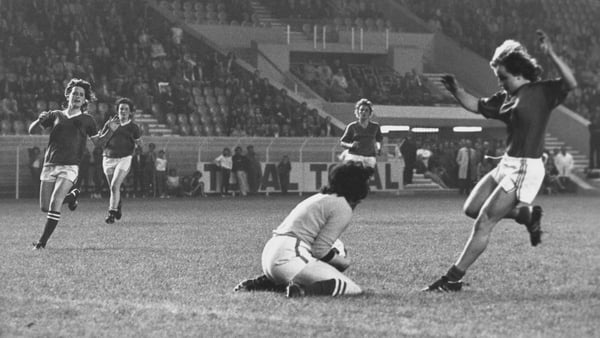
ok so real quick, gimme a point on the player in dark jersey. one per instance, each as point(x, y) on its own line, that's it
point(69, 130)
point(362, 138)
point(524, 104)
point(118, 153)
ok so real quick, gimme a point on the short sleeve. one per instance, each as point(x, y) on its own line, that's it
point(137, 133)
point(91, 129)
point(348, 134)
point(378, 135)
point(490, 106)
point(49, 120)
point(555, 91)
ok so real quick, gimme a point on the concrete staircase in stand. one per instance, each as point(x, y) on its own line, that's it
point(421, 183)
point(154, 127)
point(265, 16)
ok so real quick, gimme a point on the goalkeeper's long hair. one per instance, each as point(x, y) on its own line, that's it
point(349, 180)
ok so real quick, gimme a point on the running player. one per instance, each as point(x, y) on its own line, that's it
point(118, 153)
point(524, 104)
point(300, 258)
point(362, 138)
point(70, 129)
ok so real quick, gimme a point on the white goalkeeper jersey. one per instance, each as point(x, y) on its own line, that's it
point(318, 221)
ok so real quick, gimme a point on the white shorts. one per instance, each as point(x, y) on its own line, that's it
point(50, 173)
point(284, 257)
point(523, 174)
point(367, 161)
point(110, 164)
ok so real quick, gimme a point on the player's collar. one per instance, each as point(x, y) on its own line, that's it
point(126, 123)
point(71, 116)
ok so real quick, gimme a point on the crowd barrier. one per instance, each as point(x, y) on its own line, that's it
point(310, 158)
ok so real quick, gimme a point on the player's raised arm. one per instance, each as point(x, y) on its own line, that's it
point(564, 70)
point(468, 101)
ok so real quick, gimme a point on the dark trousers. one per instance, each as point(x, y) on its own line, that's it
point(225, 175)
point(407, 174)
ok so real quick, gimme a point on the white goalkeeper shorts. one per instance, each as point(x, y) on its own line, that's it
point(284, 257)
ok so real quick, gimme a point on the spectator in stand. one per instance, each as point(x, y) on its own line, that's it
point(224, 162)
point(284, 168)
point(240, 170)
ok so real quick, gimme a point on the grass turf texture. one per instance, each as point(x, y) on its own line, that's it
point(169, 266)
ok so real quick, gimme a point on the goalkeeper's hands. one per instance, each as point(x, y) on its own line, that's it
point(339, 262)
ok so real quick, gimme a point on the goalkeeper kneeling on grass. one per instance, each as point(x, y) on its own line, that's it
point(304, 256)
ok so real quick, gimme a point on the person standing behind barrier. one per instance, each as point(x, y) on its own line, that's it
point(36, 162)
point(284, 168)
point(150, 171)
point(117, 155)
point(160, 173)
point(254, 170)
point(465, 159)
point(594, 128)
point(240, 170)
point(224, 162)
point(408, 149)
point(362, 138)
point(138, 162)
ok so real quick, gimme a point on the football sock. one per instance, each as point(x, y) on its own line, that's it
point(330, 287)
point(51, 222)
point(455, 274)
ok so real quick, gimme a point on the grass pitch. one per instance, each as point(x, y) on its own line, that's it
point(169, 266)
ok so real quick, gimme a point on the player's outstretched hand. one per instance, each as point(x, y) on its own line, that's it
point(450, 83)
point(113, 123)
point(545, 44)
point(43, 115)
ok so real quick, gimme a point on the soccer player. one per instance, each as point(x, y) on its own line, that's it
point(69, 130)
point(524, 104)
point(117, 155)
point(362, 138)
point(300, 257)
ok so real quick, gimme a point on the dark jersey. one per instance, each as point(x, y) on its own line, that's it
point(526, 114)
point(68, 137)
point(122, 141)
point(366, 138)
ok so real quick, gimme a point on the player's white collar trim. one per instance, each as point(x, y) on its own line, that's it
point(126, 123)
point(71, 116)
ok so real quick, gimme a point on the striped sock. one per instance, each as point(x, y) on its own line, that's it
point(51, 222)
point(330, 287)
